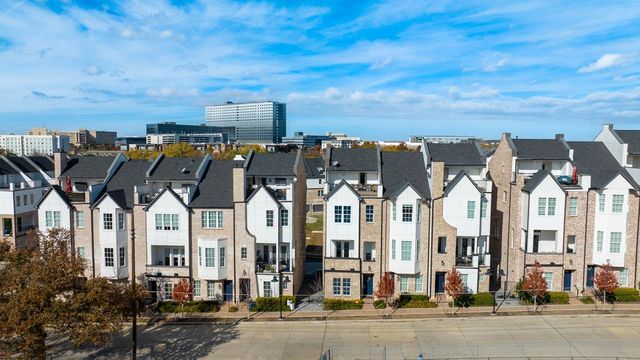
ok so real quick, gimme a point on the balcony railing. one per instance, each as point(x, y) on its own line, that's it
point(474, 260)
point(167, 271)
point(268, 267)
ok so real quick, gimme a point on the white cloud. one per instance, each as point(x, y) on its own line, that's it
point(605, 62)
point(172, 92)
point(494, 65)
point(166, 34)
point(126, 33)
point(93, 70)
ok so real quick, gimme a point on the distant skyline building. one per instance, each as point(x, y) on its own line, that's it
point(255, 122)
point(446, 139)
point(80, 137)
point(301, 139)
point(193, 139)
point(31, 145)
point(173, 128)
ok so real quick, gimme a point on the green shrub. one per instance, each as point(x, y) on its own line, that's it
point(166, 307)
point(587, 300)
point(626, 295)
point(200, 306)
point(483, 299)
point(379, 304)
point(338, 304)
point(558, 297)
point(415, 304)
point(233, 308)
point(411, 297)
point(272, 303)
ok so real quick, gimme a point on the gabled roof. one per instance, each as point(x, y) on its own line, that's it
point(178, 168)
point(541, 149)
point(311, 166)
point(55, 189)
point(537, 179)
point(593, 158)
point(460, 154)
point(268, 191)
point(121, 185)
point(459, 176)
point(22, 164)
point(347, 159)
point(88, 167)
point(216, 188)
point(118, 196)
point(7, 169)
point(170, 191)
point(337, 187)
point(271, 164)
point(400, 169)
point(43, 162)
point(632, 138)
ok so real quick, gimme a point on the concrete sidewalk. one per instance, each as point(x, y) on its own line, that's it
point(442, 311)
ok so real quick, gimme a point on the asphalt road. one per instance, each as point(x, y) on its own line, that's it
point(516, 337)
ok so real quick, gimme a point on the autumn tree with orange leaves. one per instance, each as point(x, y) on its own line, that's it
point(454, 286)
point(606, 282)
point(385, 289)
point(182, 293)
point(535, 285)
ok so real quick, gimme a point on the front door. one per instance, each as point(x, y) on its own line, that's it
point(363, 179)
point(591, 271)
point(440, 279)
point(367, 285)
point(567, 281)
point(153, 290)
point(228, 290)
point(245, 289)
point(536, 242)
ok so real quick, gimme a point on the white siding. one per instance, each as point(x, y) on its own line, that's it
point(548, 188)
point(404, 231)
point(609, 222)
point(341, 231)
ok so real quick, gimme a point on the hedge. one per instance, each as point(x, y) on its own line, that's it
point(338, 304)
point(587, 300)
point(200, 306)
point(558, 297)
point(483, 299)
point(379, 304)
point(626, 295)
point(272, 303)
point(415, 301)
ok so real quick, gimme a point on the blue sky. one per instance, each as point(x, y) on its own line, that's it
point(380, 70)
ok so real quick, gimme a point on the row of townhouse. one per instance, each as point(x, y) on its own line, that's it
point(229, 227)
point(570, 206)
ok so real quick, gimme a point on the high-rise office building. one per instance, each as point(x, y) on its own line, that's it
point(164, 128)
point(255, 122)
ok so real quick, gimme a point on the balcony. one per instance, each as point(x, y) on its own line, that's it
point(167, 271)
point(77, 197)
point(267, 267)
point(474, 260)
point(341, 264)
point(366, 189)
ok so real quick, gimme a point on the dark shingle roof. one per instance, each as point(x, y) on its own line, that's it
point(57, 190)
point(272, 164)
point(216, 188)
point(462, 154)
point(311, 166)
point(88, 167)
point(353, 159)
point(45, 163)
point(169, 168)
point(541, 149)
point(632, 138)
point(22, 164)
point(593, 158)
point(6, 169)
point(402, 168)
point(459, 176)
point(121, 185)
point(536, 179)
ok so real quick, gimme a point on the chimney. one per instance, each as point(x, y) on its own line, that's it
point(238, 183)
point(506, 135)
point(607, 127)
point(59, 162)
point(559, 136)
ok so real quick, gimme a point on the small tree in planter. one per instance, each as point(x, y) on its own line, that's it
point(606, 282)
point(454, 287)
point(385, 289)
point(535, 285)
point(182, 293)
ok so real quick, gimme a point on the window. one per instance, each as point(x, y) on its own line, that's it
point(405, 254)
point(24, 199)
point(504, 196)
point(267, 288)
point(319, 181)
point(196, 288)
point(571, 244)
point(121, 221)
point(158, 221)
point(175, 223)
point(243, 252)
point(52, 219)
point(623, 277)
point(573, 206)
point(442, 245)
point(551, 206)
point(167, 222)
point(419, 282)
point(284, 217)
point(342, 214)
point(80, 252)
point(320, 192)
point(80, 219)
point(336, 286)
point(616, 203)
point(210, 289)
point(483, 207)
point(542, 206)
point(212, 219)
point(407, 213)
point(465, 281)
point(615, 240)
point(222, 255)
point(209, 257)
point(368, 213)
point(108, 257)
point(342, 248)
point(393, 249)
point(471, 209)
point(346, 287)
point(346, 216)
point(548, 277)
point(168, 291)
point(269, 217)
point(404, 284)
point(107, 221)
point(369, 251)
point(599, 241)
point(480, 278)
point(601, 202)
point(18, 200)
point(31, 198)
point(337, 214)
point(393, 212)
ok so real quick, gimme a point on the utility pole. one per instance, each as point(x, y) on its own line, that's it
point(134, 329)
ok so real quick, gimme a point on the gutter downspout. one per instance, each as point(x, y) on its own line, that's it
point(586, 234)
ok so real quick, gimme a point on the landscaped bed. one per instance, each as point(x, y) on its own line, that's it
point(415, 301)
point(337, 304)
point(200, 306)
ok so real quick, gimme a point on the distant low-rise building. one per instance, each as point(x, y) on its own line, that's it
point(446, 139)
point(33, 144)
point(80, 137)
point(301, 139)
point(193, 139)
point(172, 128)
point(130, 142)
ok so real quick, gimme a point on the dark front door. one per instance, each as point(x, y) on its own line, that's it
point(567, 281)
point(440, 279)
point(245, 289)
point(363, 178)
point(367, 285)
point(153, 290)
point(591, 271)
point(228, 290)
point(536, 242)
